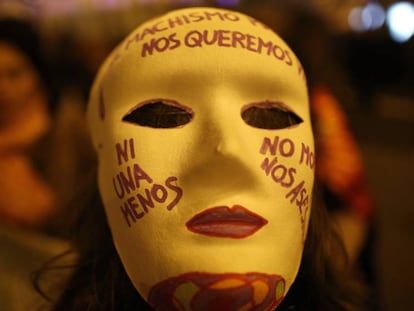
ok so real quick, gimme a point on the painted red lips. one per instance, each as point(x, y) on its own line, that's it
point(225, 222)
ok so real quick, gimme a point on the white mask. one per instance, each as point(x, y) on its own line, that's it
point(208, 209)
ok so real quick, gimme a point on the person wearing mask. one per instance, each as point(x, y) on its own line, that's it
point(202, 198)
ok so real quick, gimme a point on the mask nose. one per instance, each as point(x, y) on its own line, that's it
point(224, 164)
point(226, 137)
point(221, 174)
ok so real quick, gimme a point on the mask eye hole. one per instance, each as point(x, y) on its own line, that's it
point(269, 115)
point(159, 113)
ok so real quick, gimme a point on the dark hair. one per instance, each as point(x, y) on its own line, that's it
point(325, 280)
point(99, 281)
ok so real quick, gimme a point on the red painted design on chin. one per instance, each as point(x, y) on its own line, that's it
point(218, 292)
point(225, 222)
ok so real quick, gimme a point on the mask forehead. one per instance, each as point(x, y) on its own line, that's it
point(202, 46)
point(214, 64)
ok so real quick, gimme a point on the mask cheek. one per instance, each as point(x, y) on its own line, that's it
point(287, 163)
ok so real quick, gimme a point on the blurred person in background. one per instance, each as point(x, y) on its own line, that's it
point(66, 152)
point(43, 102)
point(25, 197)
point(43, 89)
point(27, 200)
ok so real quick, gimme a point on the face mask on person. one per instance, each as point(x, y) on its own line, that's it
point(201, 122)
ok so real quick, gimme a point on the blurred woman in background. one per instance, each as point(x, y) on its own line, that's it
point(25, 198)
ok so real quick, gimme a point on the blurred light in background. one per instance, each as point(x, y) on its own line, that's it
point(110, 4)
point(227, 2)
point(373, 15)
point(355, 19)
point(400, 21)
point(399, 18)
point(369, 17)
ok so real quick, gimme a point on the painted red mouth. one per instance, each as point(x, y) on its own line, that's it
point(225, 222)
